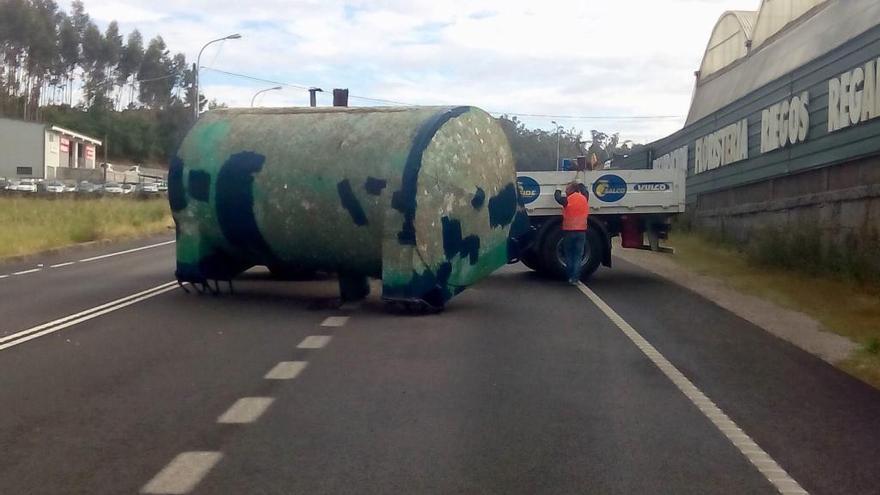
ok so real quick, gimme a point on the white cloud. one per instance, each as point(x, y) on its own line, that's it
point(560, 57)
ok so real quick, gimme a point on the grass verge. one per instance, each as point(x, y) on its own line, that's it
point(31, 225)
point(842, 304)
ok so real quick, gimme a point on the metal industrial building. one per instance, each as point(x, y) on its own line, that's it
point(40, 151)
point(784, 125)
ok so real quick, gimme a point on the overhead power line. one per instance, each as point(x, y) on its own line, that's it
point(166, 76)
point(592, 117)
point(400, 103)
point(258, 79)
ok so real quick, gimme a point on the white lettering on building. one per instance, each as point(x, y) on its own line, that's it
point(785, 123)
point(677, 159)
point(853, 98)
point(726, 146)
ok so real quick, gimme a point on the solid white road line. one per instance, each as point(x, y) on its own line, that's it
point(286, 370)
point(755, 454)
point(25, 272)
point(3, 276)
point(335, 321)
point(82, 313)
point(182, 474)
point(68, 321)
point(246, 410)
point(314, 342)
point(126, 251)
point(59, 265)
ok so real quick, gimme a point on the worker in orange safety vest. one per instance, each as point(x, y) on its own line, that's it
point(575, 211)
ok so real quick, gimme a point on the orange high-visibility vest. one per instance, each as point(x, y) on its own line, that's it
point(575, 213)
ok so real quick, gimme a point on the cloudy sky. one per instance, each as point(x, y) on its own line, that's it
point(598, 60)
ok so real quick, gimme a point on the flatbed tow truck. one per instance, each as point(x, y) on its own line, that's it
point(637, 205)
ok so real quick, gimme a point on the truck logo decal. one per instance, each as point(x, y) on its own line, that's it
point(652, 187)
point(609, 188)
point(529, 189)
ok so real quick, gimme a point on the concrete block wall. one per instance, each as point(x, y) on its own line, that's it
point(843, 201)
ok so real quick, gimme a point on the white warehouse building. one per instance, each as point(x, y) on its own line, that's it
point(41, 151)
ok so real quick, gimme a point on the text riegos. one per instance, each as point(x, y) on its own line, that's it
point(853, 98)
point(785, 123)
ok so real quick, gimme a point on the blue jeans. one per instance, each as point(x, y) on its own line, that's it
point(573, 250)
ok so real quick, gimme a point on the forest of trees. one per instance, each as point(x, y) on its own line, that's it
point(535, 149)
point(59, 67)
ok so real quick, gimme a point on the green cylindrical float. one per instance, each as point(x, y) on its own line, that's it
point(424, 198)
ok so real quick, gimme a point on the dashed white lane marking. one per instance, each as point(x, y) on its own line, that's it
point(93, 258)
point(246, 410)
point(182, 474)
point(335, 321)
point(59, 265)
point(286, 370)
point(68, 321)
point(25, 272)
point(755, 454)
point(314, 342)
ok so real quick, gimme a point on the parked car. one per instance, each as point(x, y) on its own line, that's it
point(52, 186)
point(4, 183)
point(163, 186)
point(147, 188)
point(69, 186)
point(26, 185)
point(87, 187)
point(113, 188)
point(128, 188)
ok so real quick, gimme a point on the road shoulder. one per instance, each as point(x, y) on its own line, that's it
point(792, 326)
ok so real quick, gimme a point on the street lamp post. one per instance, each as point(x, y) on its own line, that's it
point(258, 93)
point(199, 64)
point(558, 128)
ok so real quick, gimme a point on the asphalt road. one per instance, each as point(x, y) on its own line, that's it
point(632, 386)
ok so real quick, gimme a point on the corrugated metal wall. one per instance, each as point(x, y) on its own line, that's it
point(820, 149)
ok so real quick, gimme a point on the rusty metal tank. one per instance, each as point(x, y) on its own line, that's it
point(424, 198)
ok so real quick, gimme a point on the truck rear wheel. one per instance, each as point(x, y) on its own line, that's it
point(552, 256)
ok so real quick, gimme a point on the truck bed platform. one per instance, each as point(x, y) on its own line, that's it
point(612, 192)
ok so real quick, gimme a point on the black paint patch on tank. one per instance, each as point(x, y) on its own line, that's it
point(454, 245)
point(176, 192)
point(479, 198)
point(351, 203)
point(235, 206)
point(404, 200)
point(470, 247)
point(451, 237)
point(199, 185)
point(375, 186)
point(502, 207)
